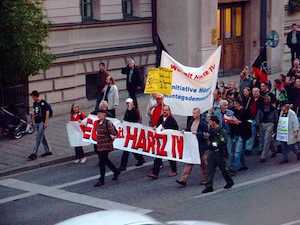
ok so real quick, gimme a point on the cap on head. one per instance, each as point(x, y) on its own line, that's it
point(129, 100)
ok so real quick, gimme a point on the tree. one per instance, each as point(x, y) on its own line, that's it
point(23, 33)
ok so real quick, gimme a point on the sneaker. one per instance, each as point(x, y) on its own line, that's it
point(77, 161)
point(116, 175)
point(172, 174)
point(32, 157)
point(99, 183)
point(83, 160)
point(153, 176)
point(182, 183)
point(140, 163)
point(46, 154)
point(207, 190)
point(228, 185)
point(203, 182)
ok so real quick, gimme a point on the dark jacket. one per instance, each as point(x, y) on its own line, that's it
point(289, 39)
point(203, 127)
point(169, 123)
point(101, 81)
point(243, 129)
point(103, 131)
point(267, 116)
point(132, 116)
point(135, 79)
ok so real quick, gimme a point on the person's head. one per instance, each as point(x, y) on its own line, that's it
point(131, 63)
point(237, 104)
point(35, 95)
point(153, 95)
point(101, 66)
point(255, 92)
point(285, 107)
point(103, 105)
point(217, 94)
point(277, 83)
point(246, 92)
point(264, 87)
point(110, 80)
point(267, 100)
point(213, 122)
point(294, 27)
point(101, 114)
point(75, 108)
point(129, 103)
point(166, 111)
point(297, 83)
point(159, 99)
point(223, 105)
point(296, 63)
point(283, 78)
point(232, 84)
point(196, 113)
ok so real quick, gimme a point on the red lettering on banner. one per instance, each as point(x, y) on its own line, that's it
point(161, 141)
point(177, 146)
point(88, 130)
point(120, 133)
point(150, 142)
point(131, 137)
point(141, 143)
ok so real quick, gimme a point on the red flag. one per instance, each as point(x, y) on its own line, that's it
point(259, 67)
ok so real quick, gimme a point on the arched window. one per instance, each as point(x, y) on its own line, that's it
point(86, 10)
point(127, 8)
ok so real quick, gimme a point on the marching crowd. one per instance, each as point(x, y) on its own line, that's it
point(243, 116)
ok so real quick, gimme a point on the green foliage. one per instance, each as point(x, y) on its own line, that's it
point(23, 31)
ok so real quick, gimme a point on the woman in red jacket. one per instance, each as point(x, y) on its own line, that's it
point(76, 115)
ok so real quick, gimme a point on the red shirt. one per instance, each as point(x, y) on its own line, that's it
point(77, 116)
point(156, 113)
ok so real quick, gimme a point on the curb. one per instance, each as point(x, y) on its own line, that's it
point(25, 168)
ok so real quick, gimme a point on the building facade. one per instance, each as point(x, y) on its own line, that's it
point(86, 32)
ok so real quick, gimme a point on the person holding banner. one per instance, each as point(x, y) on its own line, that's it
point(198, 126)
point(288, 132)
point(132, 114)
point(216, 148)
point(106, 134)
point(76, 115)
point(111, 95)
point(156, 110)
point(167, 121)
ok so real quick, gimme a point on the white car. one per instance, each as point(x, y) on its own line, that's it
point(116, 217)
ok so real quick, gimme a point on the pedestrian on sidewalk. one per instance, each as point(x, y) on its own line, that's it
point(167, 121)
point(198, 126)
point(293, 42)
point(41, 114)
point(293, 133)
point(105, 137)
point(111, 95)
point(132, 114)
point(100, 82)
point(78, 116)
point(216, 148)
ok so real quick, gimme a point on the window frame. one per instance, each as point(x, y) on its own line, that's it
point(124, 9)
point(83, 4)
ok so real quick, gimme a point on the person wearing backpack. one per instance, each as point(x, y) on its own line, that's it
point(106, 134)
point(42, 111)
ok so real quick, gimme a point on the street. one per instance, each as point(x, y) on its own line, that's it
point(266, 194)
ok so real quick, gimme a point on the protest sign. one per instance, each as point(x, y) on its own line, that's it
point(282, 129)
point(159, 80)
point(140, 139)
point(192, 86)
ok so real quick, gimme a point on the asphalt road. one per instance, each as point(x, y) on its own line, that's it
point(266, 194)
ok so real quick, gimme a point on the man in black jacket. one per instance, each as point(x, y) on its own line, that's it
point(293, 42)
point(133, 80)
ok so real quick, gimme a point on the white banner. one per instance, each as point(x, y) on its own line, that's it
point(75, 134)
point(140, 139)
point(192, 86)
point(283, 129)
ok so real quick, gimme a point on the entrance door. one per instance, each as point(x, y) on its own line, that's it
point(231, 36)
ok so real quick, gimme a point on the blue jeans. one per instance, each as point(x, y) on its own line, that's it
point(250, 142)
point(40, 137)
point(229, 146)
point(285, 148)
point(238, 159)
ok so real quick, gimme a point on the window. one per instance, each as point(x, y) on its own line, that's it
point(218, 25)
point(238, 22)
point(86, 10)
point(127, 8)
point(228, 23)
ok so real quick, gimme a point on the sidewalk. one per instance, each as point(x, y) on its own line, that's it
point(14, 152)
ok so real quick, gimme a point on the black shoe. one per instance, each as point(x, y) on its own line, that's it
point(298, 156)
point(116, 175)
point(262, 160)
point(182, 183)
point(273, 155)
point(243, 168)
point(46, 154)
point(122, 168)
point(99, 183)
point(284, 161)
point(140, 163)
point(207, 190)
point(248, 153)
point(32, 157)
point(228, 185)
